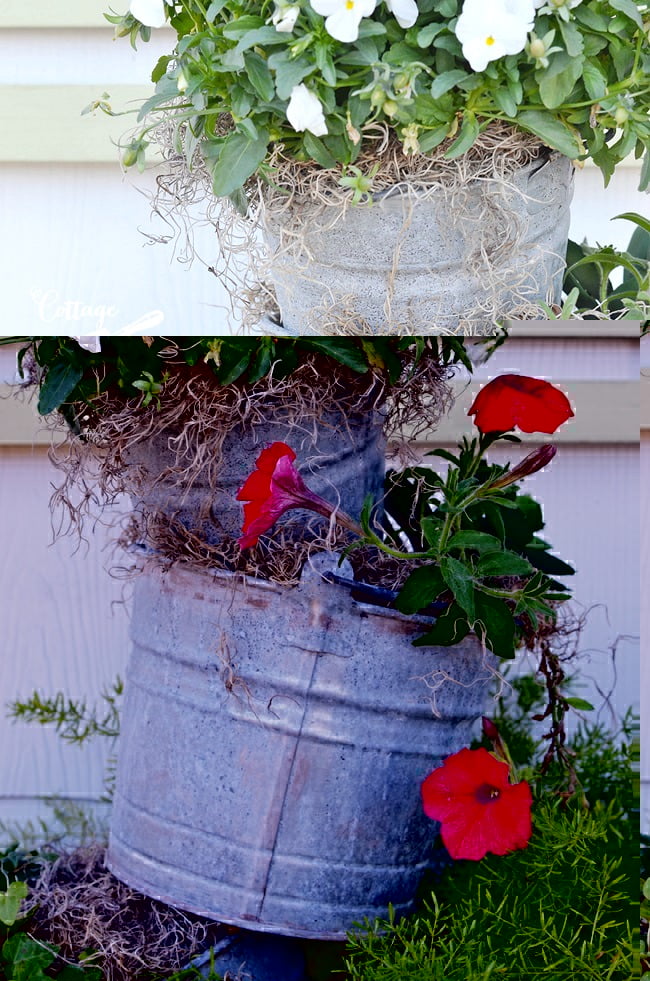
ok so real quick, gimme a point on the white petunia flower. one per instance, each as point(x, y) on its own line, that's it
point(305, 112)
point(343, 16)
point(151, 13)
point(405, 12)
point(490, 32)
point(285, 17)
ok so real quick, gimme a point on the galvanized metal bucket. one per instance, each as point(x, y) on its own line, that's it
point(341, 457)
point(425, 263)
point(273, 745)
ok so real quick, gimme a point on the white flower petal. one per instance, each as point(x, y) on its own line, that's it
point(488, 33)
point(285, 17)
point(305, 111)
point(343, 16)
point(405, 12)
point(151, 13)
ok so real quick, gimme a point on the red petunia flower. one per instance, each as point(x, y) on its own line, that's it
point(275, 486)
point(479, 809)
point(531, 404)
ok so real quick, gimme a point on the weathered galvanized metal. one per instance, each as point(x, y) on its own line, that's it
point(273, 744)
point(425, 263)
point(340, 457)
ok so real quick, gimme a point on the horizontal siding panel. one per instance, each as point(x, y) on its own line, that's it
point(42, 123)
point(606, 412)
point(586, 330)
point(644, 397)
point(47, 14)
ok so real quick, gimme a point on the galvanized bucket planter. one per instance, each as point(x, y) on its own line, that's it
point(273, 745)
point(341, 457)
point(424, 264)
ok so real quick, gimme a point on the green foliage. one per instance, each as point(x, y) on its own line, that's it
point(585, 92)
point(563, 908)
point(69, 375)
point(74, 720)
point(22, 957)
point(485, 568)
point(588, 277)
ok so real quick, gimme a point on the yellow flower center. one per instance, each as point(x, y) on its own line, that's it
point(349, 4)
point(489, 40)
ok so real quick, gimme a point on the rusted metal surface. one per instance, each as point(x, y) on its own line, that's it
point(273, 745)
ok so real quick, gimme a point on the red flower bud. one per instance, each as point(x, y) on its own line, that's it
point(530, 464)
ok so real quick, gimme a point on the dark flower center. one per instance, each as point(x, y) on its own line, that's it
point(487, 794)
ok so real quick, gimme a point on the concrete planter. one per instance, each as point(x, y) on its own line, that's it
point(273, 745)
point(424, 264)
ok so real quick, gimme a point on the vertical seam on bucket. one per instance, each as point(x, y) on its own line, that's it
point(288, 782)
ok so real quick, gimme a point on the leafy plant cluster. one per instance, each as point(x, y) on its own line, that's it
point(588, 281)
point(483, 565)
point(585, 92)
point(565, 907)
point(69, 375)
point(22, 956)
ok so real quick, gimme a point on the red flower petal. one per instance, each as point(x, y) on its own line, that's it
point(480, 811)
point(531, 404)
point(259, 482)
point(275, 486)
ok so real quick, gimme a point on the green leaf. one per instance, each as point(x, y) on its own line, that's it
point(495, 625)
point(431, 530)
point(468, 133)
point(547, 563)
point(215, 8)
point(505, 102)
point(10, 902)
point(478, 540)
point(503, 564)
point(239, 159)
point(571, 36)
point(443, 83)
point(160, 68)
point(460, 581)
point(644, 180)
point(637, 219)
point(551, 131)
point(262, 360)
point(630, 9)
point(260, 76)
point(318, 151)
point(27, 958)
point(432, 138)
point(581, 704)
point(426, 34)
point(450, 628)
point(289, 72)
point(595, 80)
point(557, 81)
point(59, 383)
point(345, 351)
point(422, 587)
